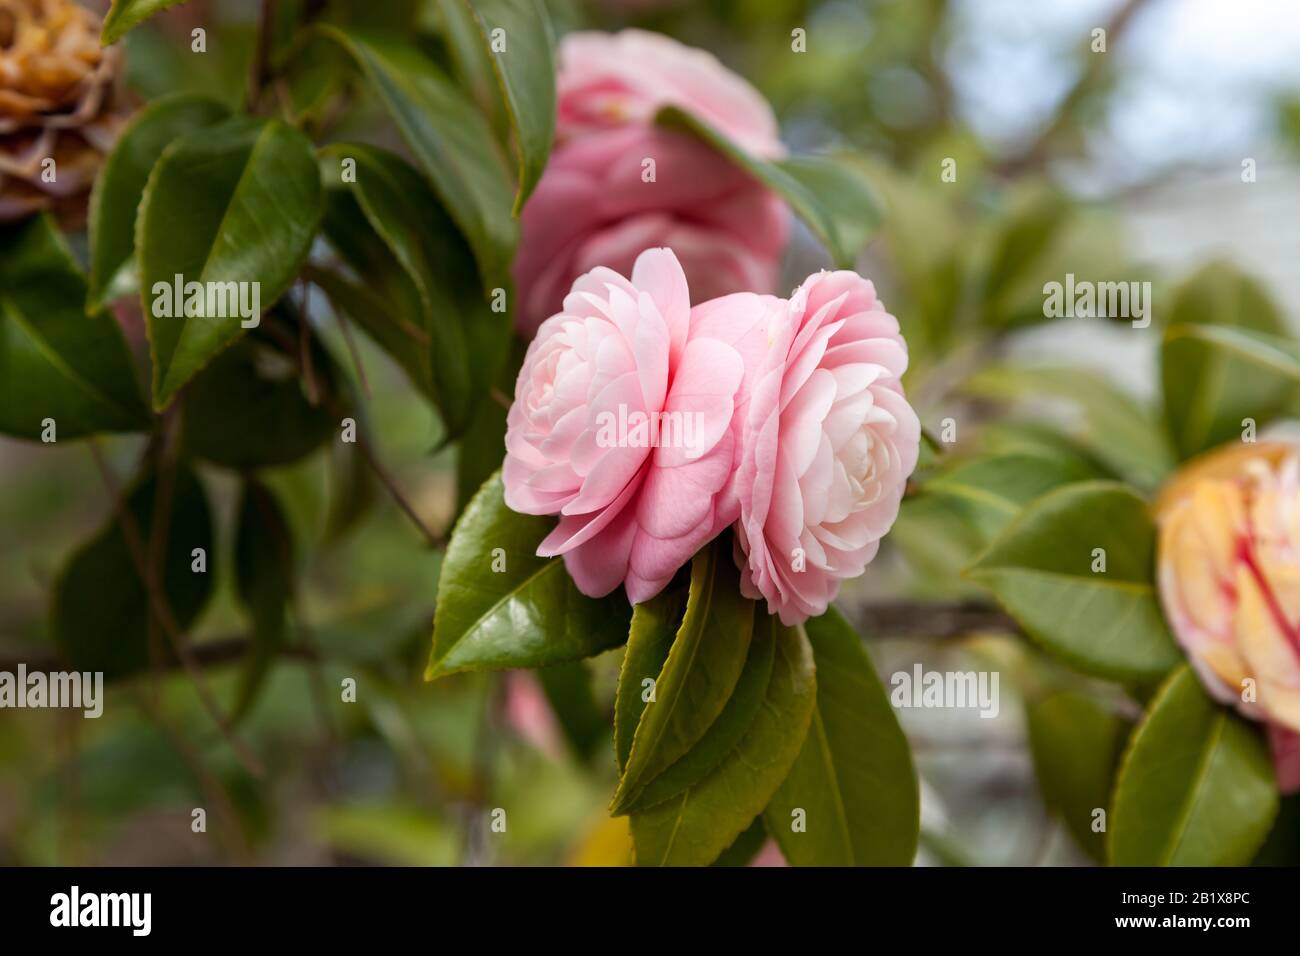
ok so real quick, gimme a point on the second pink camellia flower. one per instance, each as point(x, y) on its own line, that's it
point(829, 442)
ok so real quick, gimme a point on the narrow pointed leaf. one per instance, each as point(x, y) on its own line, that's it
point(853, 779)
point(723, 734)
point(464, 340)
point(523, 59)
point(120, 186)
point(649, 639)
point(452, 143)
point(696, 826)
point(701, 671)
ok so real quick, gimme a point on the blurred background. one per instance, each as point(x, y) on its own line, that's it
point(1128, 164)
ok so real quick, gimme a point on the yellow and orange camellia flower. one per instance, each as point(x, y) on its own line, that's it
point(1229, 579)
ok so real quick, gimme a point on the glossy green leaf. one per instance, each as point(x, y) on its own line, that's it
point(1101, 419)
point(650, 637)
point(853, 780)
point(465, 338)
point(1196, 786)
point(699, 675)
point(100, 609)
point(696, 826)
point(236, 203)
point(722, 735)
point(527, 614)
point(250, 408)
point(450, 139)
point(120, 186)
point(993, 488)
point(523, 57)
point(264, 580)
point(1106, 623)
point(1076, 741)
point(832, 197)
point(1209, 388)
point(125, 15)
point(56, 362)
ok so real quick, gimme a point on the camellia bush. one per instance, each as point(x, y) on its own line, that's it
point(572, 245)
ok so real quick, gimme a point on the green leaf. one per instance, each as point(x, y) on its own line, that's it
point(451, 141)
point(699, 675)
point(723, 734)
point(696, 826)
point(121, 182)
point(831, 196)
point(993, 488)
point(745, 847)
point(1210, 386)
point(465, 339)
point(1044, 237)
point(854, 777)
point(1106, 623)
point(530, 613)
point(100, 609)
point(238, 202)
point(1196, 786)
point(55, 361)
point(573, 701)
point(1276, 361)
point(126, 15)
point(264, 579)
point(525, 71)
point(649, 639)
point(249, 409)
point(1076, 743)
point(1102, 420)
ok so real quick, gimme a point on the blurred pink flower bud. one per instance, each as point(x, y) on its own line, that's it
point(617, 185)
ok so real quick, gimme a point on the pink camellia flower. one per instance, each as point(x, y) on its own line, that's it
point(622, 424)
point(617, 185)
point(829, 442)
point(1229, 578)
point(611, 79)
